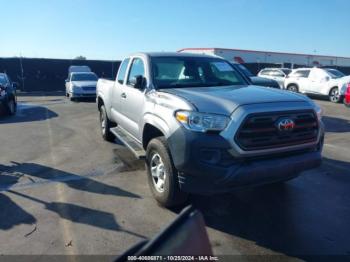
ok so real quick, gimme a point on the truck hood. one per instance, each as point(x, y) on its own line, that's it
point(224, 100)
point(84, 83)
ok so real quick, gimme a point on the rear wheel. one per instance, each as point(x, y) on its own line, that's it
point(11, 107)
point(293, 88)
point(334, 95)
point(106, 125)
point(162, 175)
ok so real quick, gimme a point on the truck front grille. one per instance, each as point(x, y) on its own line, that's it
point(260, 131)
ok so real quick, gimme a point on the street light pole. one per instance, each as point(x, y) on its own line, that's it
point(22, 71)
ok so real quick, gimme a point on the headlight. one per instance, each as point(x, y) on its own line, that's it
point(201, 122)
point(319, 111)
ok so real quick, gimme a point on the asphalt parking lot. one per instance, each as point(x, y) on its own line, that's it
point(63, 190)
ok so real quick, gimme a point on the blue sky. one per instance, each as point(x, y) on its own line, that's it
point(111, 29)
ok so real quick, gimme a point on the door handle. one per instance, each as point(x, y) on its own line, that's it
point(123, 95)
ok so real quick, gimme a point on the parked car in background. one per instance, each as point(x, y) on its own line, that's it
point(8, 98)
point(203, 129)
point(277, 74)
point(347, 96)
point(255, 80)
point(319, 81)
point(81, 85)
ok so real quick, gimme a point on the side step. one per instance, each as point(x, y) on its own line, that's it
point(135, 147)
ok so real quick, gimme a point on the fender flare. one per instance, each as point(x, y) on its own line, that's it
point(157, 122)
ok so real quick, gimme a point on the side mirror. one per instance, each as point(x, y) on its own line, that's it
point(66, 80)
point(14, 85)
point(327, 78)
point(138, 82)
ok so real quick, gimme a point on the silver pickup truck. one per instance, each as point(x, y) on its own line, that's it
point(202, 129)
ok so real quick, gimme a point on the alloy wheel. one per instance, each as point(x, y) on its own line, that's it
point(158, 172)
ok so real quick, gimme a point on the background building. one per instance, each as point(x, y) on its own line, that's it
point(289, 60)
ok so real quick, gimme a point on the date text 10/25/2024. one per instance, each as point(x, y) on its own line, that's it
point(173, 258)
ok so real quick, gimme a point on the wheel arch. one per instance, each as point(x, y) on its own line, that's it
point(331, 88)
point(153, 127)
point(100, 102)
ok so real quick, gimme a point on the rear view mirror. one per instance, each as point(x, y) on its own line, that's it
point(138, 82)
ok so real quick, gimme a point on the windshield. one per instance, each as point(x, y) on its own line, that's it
point(334, 73)
point(169, 72)
point(84, 77)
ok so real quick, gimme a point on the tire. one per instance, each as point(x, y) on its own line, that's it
point(11, 107)
point(106, 125)
point(168, 195)
point(334, 95)
point(293, 88)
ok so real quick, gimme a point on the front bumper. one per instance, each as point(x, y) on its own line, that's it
point(206, 167)
point(83, 95)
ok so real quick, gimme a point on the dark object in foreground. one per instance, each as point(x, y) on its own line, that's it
point(186, 236)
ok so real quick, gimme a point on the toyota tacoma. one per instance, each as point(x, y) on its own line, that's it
point(202, 129)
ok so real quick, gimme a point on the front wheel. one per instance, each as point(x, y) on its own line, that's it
point(162, 175)
point(334, 95)
point(106, 125)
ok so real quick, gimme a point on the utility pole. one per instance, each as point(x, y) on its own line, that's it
point(22, 71)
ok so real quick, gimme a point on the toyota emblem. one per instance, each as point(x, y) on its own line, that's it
point(285, 125)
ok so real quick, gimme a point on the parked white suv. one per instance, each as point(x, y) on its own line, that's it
point(320, 81)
